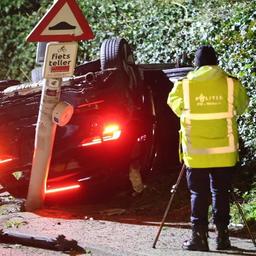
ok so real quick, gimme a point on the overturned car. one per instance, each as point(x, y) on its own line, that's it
point(121, 120)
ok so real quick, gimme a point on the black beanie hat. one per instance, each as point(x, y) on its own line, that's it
point(205, 55)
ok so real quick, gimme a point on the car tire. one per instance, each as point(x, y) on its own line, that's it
point(117, 53)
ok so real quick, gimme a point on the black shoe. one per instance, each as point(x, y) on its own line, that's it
point(198, 241)
point(222, 240)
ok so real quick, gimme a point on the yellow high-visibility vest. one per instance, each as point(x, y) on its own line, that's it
point(208, 102)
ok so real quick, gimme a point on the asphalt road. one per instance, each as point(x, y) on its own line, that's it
point(103, 231)
point(105, 238)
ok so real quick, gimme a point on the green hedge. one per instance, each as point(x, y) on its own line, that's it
point(158, 30)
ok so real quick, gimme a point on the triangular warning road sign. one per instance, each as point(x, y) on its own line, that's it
point(64, 22)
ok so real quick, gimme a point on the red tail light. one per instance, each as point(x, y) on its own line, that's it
point(91, 141)
point(5, 159)
point(110, 132)
point(61, 189)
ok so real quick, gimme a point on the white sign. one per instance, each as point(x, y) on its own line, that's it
point(60, 60)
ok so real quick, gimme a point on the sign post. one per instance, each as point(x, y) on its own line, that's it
point(64, 22)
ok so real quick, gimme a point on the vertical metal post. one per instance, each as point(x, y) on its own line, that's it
point(53, 70)
point(44, 139)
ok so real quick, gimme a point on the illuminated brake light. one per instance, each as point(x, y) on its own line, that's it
point(91, 141)
point(110, 132)
point(2, 161)
point(111, 128)
point(56, 190)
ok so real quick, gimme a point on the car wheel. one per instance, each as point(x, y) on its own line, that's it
point(117, 53)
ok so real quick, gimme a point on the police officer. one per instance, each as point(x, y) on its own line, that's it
point(208, 102)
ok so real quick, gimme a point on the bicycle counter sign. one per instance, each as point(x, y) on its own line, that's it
point(60, 60)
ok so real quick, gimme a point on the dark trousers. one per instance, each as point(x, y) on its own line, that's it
point(204, 182)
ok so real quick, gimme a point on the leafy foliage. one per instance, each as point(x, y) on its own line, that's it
point(16, 55)
point(249, 207)
point(159, 31)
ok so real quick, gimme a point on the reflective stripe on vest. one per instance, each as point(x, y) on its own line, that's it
point(187, 116)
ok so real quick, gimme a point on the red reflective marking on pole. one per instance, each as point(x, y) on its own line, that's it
point(51, 92)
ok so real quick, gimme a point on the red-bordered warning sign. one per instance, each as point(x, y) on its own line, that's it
point(64, 22)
